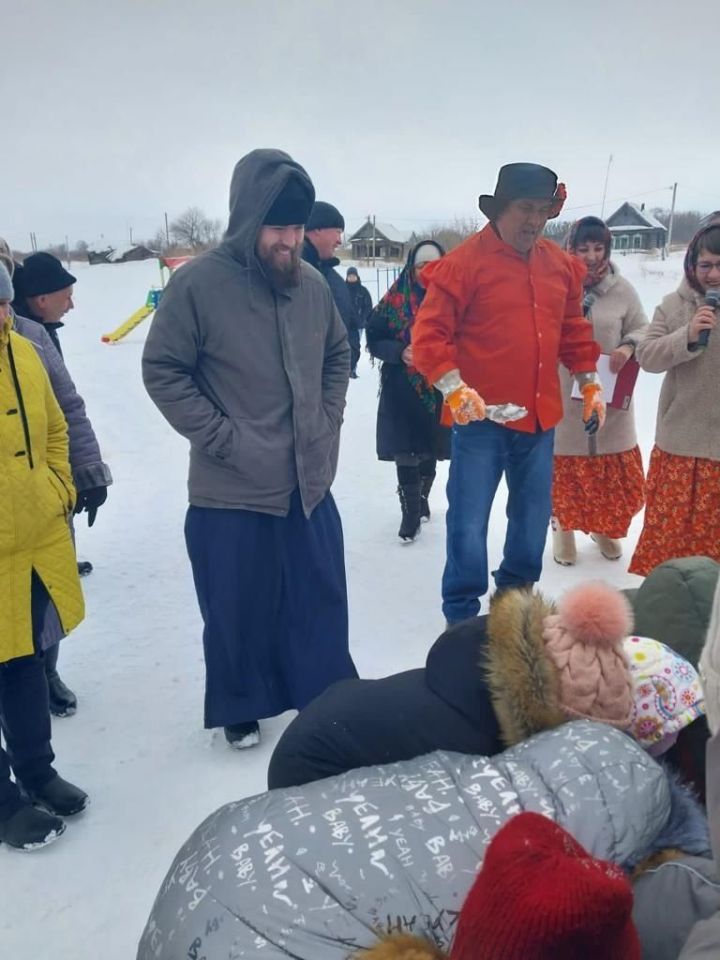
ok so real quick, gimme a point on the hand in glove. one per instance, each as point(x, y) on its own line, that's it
point(465, 405)
point(90, 500)
point(593, 407)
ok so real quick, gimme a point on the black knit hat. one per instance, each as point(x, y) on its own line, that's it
point(520, 181)
point(42, 273)
point(324, 216)
point(352, 271)
point(292, 205)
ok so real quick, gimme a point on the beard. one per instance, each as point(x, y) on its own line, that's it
point(282, 273)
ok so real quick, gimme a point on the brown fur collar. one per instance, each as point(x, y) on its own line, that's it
point(402, 947)
point(523, 683)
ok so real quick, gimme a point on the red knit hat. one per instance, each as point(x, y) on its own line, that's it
point(541, 896)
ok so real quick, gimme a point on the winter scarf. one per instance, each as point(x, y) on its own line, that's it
point(398, 308)
point(599, 270)
point(694, 248)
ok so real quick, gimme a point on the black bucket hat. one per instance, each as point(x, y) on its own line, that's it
point(523, 181)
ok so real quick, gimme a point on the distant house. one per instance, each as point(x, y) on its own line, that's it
point(632, 228)
point(388, 243)
point(123, 253)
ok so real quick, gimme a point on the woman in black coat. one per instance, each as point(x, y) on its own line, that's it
point(408, 423)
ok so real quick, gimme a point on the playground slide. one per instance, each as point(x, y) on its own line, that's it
point(151, 304)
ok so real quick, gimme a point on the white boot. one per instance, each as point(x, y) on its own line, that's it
point(609, 548)
point(564, 549)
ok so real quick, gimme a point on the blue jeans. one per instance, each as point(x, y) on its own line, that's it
point(481, 452)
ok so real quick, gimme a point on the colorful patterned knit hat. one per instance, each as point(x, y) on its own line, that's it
point(668, 696)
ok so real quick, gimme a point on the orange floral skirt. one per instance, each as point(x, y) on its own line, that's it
point(682, 516)
point(599, 494)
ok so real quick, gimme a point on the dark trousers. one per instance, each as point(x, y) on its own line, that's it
point(273, 599)
point(481, 453)
point(25, 718)
point(354, 341)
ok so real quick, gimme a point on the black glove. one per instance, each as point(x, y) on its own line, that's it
point(90, 500)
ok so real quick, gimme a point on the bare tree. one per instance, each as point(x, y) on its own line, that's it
point(557, 230)
point(686, 223)
point(195, 230)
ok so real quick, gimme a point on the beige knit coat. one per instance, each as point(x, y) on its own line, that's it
point(688, 418)
point(616, 315)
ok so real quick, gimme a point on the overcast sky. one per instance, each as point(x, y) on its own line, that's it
point(115, 112)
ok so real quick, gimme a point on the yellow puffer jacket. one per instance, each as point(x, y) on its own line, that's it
point(36, 497)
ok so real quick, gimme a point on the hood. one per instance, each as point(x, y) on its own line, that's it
point(523, 682)
point(256, 181)
point(713, 220)
point(674, 602)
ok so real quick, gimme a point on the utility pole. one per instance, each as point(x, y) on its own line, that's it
point(672, 217)
point(607, 177)
point(130, 230)
point(67, 251)
point(167, 233)
point(373, 242)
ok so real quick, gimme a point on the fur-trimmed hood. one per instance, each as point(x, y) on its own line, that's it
point(402, 946)
point(523, 682)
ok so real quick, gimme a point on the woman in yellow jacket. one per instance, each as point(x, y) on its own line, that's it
point(39, 580)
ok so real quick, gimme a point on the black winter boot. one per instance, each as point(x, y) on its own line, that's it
point(409, 494)
point(425, 488)
point(242, 735)
point(56, 796)
point(29, 828)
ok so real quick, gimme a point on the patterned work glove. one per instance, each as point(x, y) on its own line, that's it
point(465, 405)
point(90, 500)
point(593, 407)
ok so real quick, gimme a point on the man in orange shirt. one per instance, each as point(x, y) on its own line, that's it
point(500, 312)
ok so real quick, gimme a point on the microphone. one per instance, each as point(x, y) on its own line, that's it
point(712, 299)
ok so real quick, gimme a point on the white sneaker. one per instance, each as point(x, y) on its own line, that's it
point(609, 548)
point(564, 549)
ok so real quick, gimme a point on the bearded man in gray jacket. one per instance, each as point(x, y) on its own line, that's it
point(247, 358)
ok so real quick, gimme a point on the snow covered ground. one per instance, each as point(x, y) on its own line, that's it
point(137, 743)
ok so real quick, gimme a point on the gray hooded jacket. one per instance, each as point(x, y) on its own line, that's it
point(254, 379)
point(86, 462)
point(314, 872)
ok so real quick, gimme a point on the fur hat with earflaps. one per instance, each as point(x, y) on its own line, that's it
point(548, 663)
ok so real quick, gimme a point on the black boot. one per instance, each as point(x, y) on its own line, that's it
point(426, 483)
point(63, 702)
point(28, 828)
point(242, 735)
point(56, 796)
point(409, 494)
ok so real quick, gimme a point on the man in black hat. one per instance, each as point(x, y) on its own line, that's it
point(248, 359)
point(43, 294)
point(360, 299)
point(500, 312)
point(44, 290)
point(323, 235)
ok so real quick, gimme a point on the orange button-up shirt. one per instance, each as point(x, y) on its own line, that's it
point(504, 321)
